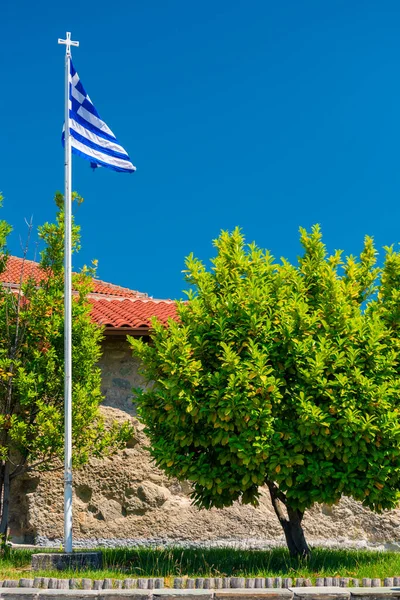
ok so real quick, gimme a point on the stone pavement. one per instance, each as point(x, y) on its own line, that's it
point(198, 583)
point(294, 593)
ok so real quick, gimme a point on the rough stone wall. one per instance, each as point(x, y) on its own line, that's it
point(119, 374)
point(125, 496)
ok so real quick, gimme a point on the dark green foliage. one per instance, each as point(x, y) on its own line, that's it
point(280, 374)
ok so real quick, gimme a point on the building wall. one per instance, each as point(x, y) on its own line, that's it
point(119, 374)
point(126, 496)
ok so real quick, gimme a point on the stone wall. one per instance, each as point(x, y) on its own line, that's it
point(127, 497)
point(119, 374)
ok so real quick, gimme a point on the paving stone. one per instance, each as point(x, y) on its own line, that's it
point(299, 582)
point(107, 584)
point(318, 593)
point(38, 582)
point(250, 582)
point(218, 583)
point(25, 583)
point(376, 583)
point(396, 581)
point(278, 582)
point(388, 582)
point(61, 561)
point(336, 581)
point(259, 582)
point(208, 583)
point(180, 595)
point(159, 583)
point(19, 594)
point(287, 582)
point(226, 583)
point(190, 584)
point(118, 584)
point(74, 584)
point(150, 583)
point(344, 582)
point(116, 595)
point(98, 584)
point(63, 584)
point(129, 584)
point(142, 583)
point(237, 582)
point(178, 583)
point(366, 582)
point(199, 583)
point(374, 593)
point(243, 594)
point(307, 583)
point(269, 582)
point(10, 583)
point(319, 582)
point(327, 581)
point(87, 584)
point(356, 583)
point(53, 583)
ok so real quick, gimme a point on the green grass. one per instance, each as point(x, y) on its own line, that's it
point(175, 562)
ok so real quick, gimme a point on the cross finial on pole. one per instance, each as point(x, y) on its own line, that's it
point(68, 43)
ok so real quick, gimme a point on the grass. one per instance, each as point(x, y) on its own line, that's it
point(218, 562)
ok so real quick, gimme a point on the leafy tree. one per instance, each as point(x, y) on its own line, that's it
point(280, 375)
point(32, 367)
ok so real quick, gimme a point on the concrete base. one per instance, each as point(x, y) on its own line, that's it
point(62, 561)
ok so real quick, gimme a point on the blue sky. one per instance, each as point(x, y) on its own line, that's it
point(263, 114)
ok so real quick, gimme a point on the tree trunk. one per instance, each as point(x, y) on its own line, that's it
point(5, 491)
point(291, 523)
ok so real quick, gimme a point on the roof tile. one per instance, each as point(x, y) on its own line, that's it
point(129, 312)
point(113, 306)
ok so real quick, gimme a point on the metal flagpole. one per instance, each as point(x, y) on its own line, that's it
point(67, 309)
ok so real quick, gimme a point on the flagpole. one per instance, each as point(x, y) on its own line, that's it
point(67, 308)
point(123, 165)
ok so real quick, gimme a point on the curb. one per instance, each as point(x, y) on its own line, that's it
point(198, 583)
point(295, 593)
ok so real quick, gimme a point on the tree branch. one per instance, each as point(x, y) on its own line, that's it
point(276, 497)
point(274, 490)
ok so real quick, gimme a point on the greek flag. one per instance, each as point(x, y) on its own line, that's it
point(90, 136)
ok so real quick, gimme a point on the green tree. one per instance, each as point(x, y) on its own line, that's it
point(280, 375)
point(32, 368)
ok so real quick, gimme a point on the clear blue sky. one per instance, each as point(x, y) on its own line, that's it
point(263, 114)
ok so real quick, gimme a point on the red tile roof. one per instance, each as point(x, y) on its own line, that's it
point(13, 272)
point(126, 312)
point(114, 306)
point(29, 268)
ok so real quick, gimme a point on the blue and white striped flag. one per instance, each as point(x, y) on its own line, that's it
point(90, 136)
